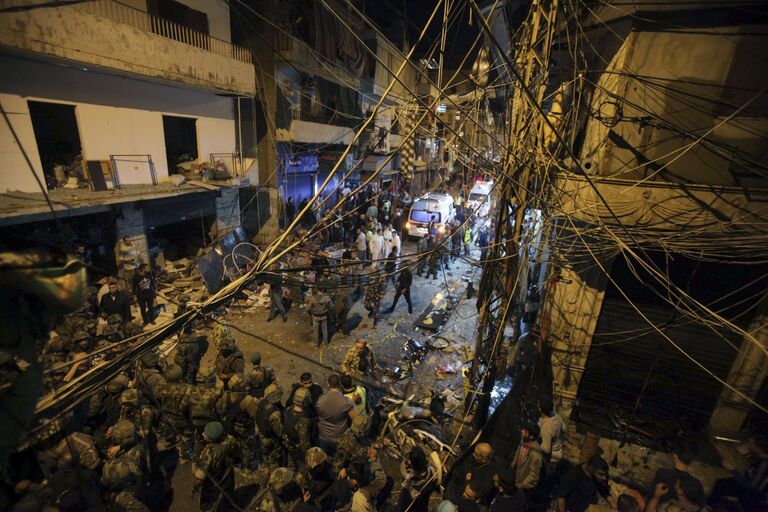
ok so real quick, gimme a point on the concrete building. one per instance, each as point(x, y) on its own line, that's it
point(674, 143)
point(317, 83)
point(118, 94)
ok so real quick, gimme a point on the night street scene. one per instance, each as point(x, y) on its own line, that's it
point(384, 255)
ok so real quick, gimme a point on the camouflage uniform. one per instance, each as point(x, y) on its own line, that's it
point(352, 442)
point(77, 448)
point(148, 379)
point(236, 411)
point(374, 293)
point(174, 407)
point(283, 493)
point(358, 364)
point(188, 355)
point(123, 476)
point(220, 332)
point(229, 362)
point(200, 403)
point(216, 463)
point(259, 377)
point(104, 407)
point(317, 477)
point(269, 429)
point(297, 428)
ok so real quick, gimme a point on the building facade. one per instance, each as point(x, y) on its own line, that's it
point(104, 100)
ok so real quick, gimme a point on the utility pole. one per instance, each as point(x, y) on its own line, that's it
point(499, 285)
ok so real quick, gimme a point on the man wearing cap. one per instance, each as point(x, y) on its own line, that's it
point(216, 464)
point(259, 377)
point(528, 458)
point(297, 427)
point(269, 427)
point(229, 362)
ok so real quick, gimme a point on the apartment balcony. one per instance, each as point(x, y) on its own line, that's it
point(292, 49)
point(119, 39)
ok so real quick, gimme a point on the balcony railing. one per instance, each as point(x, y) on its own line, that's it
point(125, 14)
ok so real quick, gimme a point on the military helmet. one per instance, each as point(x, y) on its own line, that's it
point(149, 360)
point(172, 373)
point(114, 318)
point(129, 397)
point(301, 396)
point(361, 424)
point(227, 342)
point(80, 335)
point(279, 478)
point(116, 474)
point(273, 393)
point(256, 358)
point(314, 457)
point(118, 384)
point(214, 431)
point(124, 433)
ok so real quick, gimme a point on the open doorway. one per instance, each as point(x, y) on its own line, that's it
point(180, 140)
point(58, 141)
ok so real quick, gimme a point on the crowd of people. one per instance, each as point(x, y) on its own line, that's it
point(256, 443)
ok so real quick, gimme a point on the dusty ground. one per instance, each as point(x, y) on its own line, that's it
point(289, 349)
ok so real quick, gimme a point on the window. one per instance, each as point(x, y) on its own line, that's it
point(180, 140)
point(58, 141)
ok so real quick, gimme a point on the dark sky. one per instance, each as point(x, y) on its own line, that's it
point(391, 15)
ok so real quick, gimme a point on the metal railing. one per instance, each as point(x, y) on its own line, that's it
point(132, 159)
point(121, 13)
point(231, 160)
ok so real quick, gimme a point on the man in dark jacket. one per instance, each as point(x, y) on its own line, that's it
point(115, 302)
point(144, 287)
point(404, 281)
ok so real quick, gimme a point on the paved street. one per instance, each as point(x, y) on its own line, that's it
point(289, 349)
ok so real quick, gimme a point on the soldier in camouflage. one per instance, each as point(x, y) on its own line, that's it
point(374, 293)
point(283, 493)
point(354, 443)
point(259, 377)
point(188, 355)
point(236, 410)
point(200, 402)
point(229, 362)
point(148, 378)
point(359, 360)
point(123, 472)
point(317, 476)
point(214, 470)
point(220, 332)
point(172, 401)
point(269, 429)
point(297, 428)
point(104, 408)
